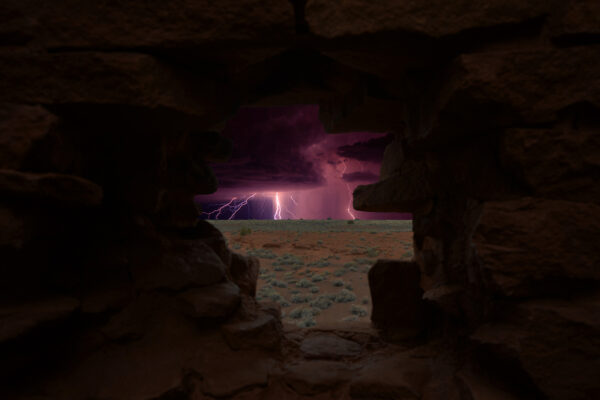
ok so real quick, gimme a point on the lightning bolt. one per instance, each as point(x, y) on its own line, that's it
point(231, 206)
point(242, 204)
point(220, 209)
point(349, 191)
point(292, 199)
point(277, 214)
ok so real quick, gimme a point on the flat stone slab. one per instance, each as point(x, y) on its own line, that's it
point(397, 377)
point(263, 331)
point(226, 375)
point(20, 319)
point(329, 346)
point(312, 377)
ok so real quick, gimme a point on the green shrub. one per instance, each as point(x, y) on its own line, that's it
point(319, 263)
point(350, 318)
point(303, 283)
point(300, 298)
point(284, 303)
point(279, 284)
point(365, 300)
point(306, 323)
point(262, 253)
point(303, 312)
point(317, 278)
point(338, 283)
point(314, 289)
point(322, 302)
point(372, 252)
point(338, 272)
point(357, 310)
point(350, 222)
point(289, 259)
point(344, 296)
point(245, 231)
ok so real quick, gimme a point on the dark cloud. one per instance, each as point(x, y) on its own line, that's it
point(360, 177)
point(370, 150)
point(268, 149)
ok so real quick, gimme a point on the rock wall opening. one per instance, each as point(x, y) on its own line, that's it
point(285, 197)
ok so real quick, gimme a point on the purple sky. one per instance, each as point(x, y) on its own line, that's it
point(283, 154)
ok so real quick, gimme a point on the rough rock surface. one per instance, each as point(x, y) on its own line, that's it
point(181, 22)
point(328, 346)
point(528, 246)
point(312, 377)
point(17, 320)
point(21, 128)
point(440, 18)
point(244, 272)
point(398, 377)
point(262, 332)
point(542, 158)
point(58, 188)
point(479, 389)
point(107, 126)
point(408, 191)
point(213, 301)
point(184, 264)
point(562, 369)
point(230, 373)
point(396, 296)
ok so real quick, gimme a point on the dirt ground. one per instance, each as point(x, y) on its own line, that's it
point(319, 276)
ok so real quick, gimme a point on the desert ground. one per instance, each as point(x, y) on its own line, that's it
point(317, 269)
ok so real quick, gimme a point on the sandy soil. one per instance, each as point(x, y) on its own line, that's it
point(319, 278)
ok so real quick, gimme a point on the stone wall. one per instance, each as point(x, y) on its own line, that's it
point(110, 111)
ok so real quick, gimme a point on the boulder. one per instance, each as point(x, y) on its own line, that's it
point(409, 190)
point(177, 24)
point(90, 78)
point(244, 272)
point(212, 301)
point(574, 22)
point(264, 331)
point(312, 377)
point(224, 374)
point(329, 346)
point(488, 90)
point(398, 377)
point(555, 342)
point(535, 247)
point(479, 388)
point(212, 237)
point(396, 296)
point(67, 190)
point(182, 264)
point(543, 159)
point(333, 19)
point(21, 127)
point(17, 320)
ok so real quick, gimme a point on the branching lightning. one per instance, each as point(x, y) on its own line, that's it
point(231, 205)
point(242, 204)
